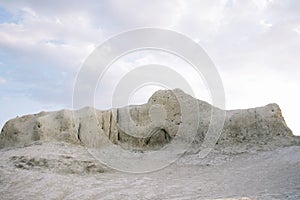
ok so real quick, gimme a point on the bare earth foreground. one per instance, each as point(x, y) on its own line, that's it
point(48, 155)
point(64, 171)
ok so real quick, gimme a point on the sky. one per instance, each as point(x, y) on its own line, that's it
point(254, 44)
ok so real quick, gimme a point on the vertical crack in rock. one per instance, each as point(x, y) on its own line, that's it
point(102, 121)
point(167, 135)
point(117, 117)
point(256, 120)
point(109, 125)
point(117, 126)
point(114, 131)
point(78, 132)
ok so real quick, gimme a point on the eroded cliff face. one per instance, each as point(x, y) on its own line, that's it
point(148, 126)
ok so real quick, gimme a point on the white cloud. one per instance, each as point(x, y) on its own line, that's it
point(297, 29)
point(264, 23)
point(124, 66)
point(64, 40)
point(2, 81)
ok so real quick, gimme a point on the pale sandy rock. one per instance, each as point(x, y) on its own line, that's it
point(150, 126)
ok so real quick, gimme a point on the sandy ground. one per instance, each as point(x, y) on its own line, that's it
point(63, 171)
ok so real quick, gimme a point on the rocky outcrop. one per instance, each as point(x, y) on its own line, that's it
point(148, 126)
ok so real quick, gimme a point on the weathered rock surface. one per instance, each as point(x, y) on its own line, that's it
point(148, 126)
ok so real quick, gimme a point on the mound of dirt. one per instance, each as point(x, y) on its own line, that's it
point(151, 126)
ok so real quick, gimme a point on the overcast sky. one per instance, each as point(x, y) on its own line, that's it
point(254, 44)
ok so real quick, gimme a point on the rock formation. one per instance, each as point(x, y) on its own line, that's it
point(147, 126)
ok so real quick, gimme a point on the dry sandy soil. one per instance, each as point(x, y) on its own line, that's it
point(65, 171)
